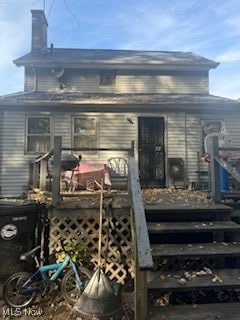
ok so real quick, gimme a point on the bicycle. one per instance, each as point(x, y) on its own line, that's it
point(21, 289)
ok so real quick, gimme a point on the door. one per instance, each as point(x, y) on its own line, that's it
point(151, 152)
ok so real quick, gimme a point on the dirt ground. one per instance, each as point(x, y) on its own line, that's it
point(54, 308)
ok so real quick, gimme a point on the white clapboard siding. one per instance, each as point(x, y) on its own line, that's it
point(232, 128)
point(89, 82)
point(193, 160)
point(182, 140)
point(176, 135)
point(15, 166)
point(161, 84)
point(29, 79)
point(116, 132)
point(62, 124)
point(47, 81)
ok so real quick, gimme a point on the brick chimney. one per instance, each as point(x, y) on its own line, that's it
point(39, 30)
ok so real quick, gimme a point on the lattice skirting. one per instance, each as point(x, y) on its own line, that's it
point(83, 225)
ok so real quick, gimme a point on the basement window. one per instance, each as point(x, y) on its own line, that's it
point(85, 132)
point(38, 134)
point(107, 78)
point(209, 126)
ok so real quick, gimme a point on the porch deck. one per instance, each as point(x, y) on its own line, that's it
point(162, 197)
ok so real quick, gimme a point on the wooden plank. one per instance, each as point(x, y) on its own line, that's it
point(195, 249)
point(142, 237)
point(215, 171)
point(174, 213)
point(157, 208)
point(223, 311)
point(227, 278)
point(43, 175)
point(140, 291)
point(35, 175)
point(56, 170)
point(207, 226)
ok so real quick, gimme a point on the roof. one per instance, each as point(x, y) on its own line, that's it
point(36, 99)
point(93, 57)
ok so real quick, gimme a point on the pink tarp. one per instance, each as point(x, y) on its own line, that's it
point(86, 172)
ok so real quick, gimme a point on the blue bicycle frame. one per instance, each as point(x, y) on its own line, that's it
point(42, 271)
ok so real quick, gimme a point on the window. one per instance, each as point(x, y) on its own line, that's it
point(107, 78)
point(210, 126)
point(38, 134)
point(85, 132)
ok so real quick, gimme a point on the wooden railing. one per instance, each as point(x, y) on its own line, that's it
point(40, 172)
point(142, 251)
point(141, 244)
point(216, 161)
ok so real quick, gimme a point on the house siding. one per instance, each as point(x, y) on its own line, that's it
point(161, 84)
point(182, 140)
point(89, 82)
point(29, 79)
point(15, 170)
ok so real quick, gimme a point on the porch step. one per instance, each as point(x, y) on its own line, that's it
point(173, 213)
point(193, 254)
point(196, 249)
point(173, 280)
point(191, 227)
point(219, 311)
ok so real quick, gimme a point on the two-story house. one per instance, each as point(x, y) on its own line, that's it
point(108, 98)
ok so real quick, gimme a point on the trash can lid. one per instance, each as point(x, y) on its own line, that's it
point(10, 207)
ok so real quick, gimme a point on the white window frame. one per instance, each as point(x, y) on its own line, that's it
point(92, 136)
point(46, 135)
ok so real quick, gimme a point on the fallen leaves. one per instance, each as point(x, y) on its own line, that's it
point(190, 275)
point(162, 301)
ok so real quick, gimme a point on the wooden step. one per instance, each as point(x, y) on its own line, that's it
point(191, 227)
point(195, 249)
point(174, 213)
point(169, 281)
point(219, 311)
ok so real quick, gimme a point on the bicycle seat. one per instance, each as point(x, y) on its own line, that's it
point(29, 254)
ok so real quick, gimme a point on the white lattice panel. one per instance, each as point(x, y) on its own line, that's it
point(116, 244)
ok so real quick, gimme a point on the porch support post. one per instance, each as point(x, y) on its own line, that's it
point(215, 170)
point(141, 296)
point(57, 149)
point(35, 175)
point(43, 175)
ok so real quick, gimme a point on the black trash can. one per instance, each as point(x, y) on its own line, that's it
point(19, 225)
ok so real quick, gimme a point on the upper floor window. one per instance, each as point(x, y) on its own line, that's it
point(107, 78)
point(210, 126)
point(85, 132)
point(38, 134)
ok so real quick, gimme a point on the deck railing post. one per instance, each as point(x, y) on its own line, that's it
point(35, 175)
point(215, 170)
point(56, 172)
point(142, 250)
point(43, 175)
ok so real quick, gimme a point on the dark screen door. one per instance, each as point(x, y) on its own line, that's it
point(151, 152)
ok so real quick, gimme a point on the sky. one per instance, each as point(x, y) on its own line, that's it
point(210, 28)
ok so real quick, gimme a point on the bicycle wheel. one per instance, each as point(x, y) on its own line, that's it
point(11, 291)
point(69, 288)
